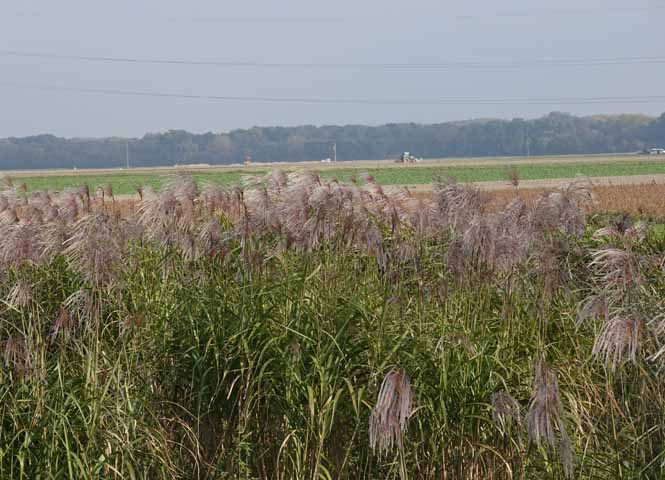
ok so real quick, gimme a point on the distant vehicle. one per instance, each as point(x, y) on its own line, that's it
point(652, 151)
point(326, 160)
point(406, 157)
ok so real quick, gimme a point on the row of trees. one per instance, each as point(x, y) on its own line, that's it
point(556, 133)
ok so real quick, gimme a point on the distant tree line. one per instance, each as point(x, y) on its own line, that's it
point(553, 134)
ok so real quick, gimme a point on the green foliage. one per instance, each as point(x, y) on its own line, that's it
point(208, 372)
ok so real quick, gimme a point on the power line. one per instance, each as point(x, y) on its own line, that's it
point(356, 101)
point(566, 12)
point(360, 18)
point(448, 65)
point(373, 18)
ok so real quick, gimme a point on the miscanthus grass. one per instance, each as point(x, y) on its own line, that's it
point(293, 327)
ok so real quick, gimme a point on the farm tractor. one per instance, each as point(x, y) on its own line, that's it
point(406, 157)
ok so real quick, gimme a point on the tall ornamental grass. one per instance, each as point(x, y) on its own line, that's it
point(296, 328)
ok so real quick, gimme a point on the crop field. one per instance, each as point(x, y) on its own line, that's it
point(124, 183)
point(297, 328)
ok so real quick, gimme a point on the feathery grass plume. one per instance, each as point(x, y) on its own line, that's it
point(8, 216)
point(81, 308)
point(53, 236)
point(50, 213)
point(21, 294)
point(458, 204)
point(562, 210)
point(31, 214)
point(420, 213)
point(186, 244)
point(619, 340)
point(657, 326)
point(184, 188)
point(276, 181)
point(20, 244)
point(70, 205)
point(15, 354)
point(513, 235)
point(172, 214)
point(603, 232)
point(637, 232)
point(214, 197)
point(95, 249)
point(390, 416)
point(40, 199)
point(64, 323)
point(506, 411)
point(479, 241)
point(546, 412)
point(623, 230)
point(618, 270)
point(514, 215)
point(594, 306)
point(210, 237)
point(260, 208)
point(83, 193)
point(548, 255)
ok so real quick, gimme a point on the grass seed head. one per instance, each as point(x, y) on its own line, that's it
point(21, 294)
point(506, 411)
point(15, 354)
point(619, 340)
point(546, 413)
point(389, 418)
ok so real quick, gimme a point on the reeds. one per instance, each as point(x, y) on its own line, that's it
point(239, 333)
point(546, 413)
point(389, 419)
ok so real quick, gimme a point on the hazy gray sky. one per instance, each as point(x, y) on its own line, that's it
point(306, 31)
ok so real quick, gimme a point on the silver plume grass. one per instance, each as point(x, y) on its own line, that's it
point(389, 419)
point(546, 413)
point(506, 411)
point(15, 353)
point(619, 340)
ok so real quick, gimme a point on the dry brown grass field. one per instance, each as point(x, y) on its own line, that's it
point(642, 199)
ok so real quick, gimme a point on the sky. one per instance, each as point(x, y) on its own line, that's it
point(495, 59)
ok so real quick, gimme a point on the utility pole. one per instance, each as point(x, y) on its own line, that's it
point(127, 154)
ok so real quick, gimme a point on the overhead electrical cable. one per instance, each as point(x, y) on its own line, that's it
point(447, 65)
point(359, 101)
point(333, 19)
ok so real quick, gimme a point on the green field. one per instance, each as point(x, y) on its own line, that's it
point(125, 183)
